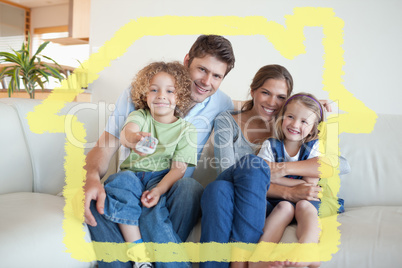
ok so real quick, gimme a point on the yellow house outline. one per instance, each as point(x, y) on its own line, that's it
point(289, 42)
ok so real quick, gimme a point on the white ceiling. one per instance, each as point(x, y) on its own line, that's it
point(39, 3)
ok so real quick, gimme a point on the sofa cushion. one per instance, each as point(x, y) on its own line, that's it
point(32, 233)
point(370, 237)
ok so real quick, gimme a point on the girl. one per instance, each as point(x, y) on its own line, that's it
point(296, 132)
point(161, 93)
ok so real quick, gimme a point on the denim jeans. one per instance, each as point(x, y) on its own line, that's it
point(234, 205)
point(170, 221)
point(123, 194)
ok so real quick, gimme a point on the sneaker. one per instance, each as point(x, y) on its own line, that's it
point(143, 265)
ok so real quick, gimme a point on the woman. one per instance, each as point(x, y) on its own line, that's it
point(234, 213)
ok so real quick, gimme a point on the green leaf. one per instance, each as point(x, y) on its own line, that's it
point(41, 47)
point(4, 72)
point(52, 61)
point(11, 85)
point(9, 57)
point(44, 74)
point(25, 85)
point(54, 71)
point(10, 89)
point(41, 84)
point(17, 77)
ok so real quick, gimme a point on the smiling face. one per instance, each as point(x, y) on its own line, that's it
point(298, 121)
point(269, 98)
point(207, 74)
point(161, 97)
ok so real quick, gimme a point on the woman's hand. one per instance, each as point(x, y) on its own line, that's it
point(311, 180)
point(327, 105)
point(278, 170)
point(303, 191)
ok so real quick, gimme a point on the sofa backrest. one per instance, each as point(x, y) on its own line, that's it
point(375, 160)
point(35, 162)
point(15, 159)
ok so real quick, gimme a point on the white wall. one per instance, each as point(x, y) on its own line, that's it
point(372, 44)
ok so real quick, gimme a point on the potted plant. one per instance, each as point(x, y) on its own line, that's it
point(32, 71)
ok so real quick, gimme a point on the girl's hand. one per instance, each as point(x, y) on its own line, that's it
point(150, 198)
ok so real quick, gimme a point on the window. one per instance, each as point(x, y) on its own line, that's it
point(68, 56)
point(13, 24)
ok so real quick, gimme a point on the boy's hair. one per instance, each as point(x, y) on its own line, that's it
point(311, 103)
point(182, 84)
point(266, 72)
point(214, 45)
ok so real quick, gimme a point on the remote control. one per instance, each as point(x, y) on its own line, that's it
point(147, 145)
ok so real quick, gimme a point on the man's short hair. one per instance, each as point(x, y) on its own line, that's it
point(214, 45)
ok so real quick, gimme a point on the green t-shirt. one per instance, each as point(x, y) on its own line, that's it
point(177, 142)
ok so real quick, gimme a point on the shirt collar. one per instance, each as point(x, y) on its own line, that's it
point(198, 107)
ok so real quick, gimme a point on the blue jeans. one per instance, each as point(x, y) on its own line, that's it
point(234, 205)
point(170, 221)
point(123, 194)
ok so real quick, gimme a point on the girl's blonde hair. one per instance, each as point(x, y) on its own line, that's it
point(311, 103)
point(182, 80)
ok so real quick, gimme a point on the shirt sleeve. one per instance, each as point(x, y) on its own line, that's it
point(315, 152)
point(123, 107)
point(138, 117)
point(186, 149)
point(223, 141)
point(266, 152)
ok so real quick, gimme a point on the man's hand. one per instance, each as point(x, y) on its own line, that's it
point(94, 191)
point(303, 191)
point(150, 198)
point(97, 163)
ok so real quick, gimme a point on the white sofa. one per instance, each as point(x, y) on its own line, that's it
point(32, 174)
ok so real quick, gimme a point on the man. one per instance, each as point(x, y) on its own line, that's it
point(209, 60)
